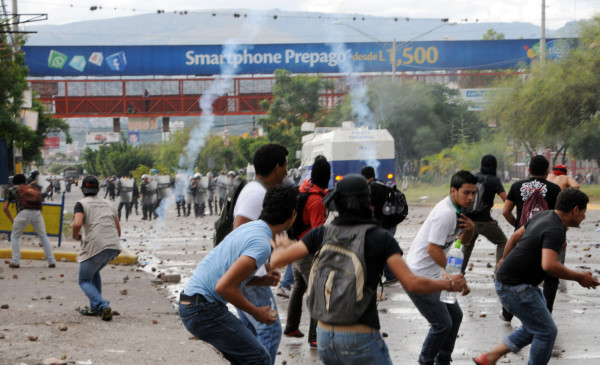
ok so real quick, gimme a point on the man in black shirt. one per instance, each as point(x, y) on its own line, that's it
point(531, 254)
point(349, 344)
point(483, 221)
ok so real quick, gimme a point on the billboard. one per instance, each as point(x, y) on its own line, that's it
point(133, 138)
point(101, 137)
point(297, 58)
point(52, 142)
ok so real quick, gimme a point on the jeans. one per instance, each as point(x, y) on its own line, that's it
point(527, 303)
point(445, 320)
point(89, 277)
point(268, 334)
point(352, 348)
point(22, 220)
point(489, 230)
point(288, 278)
point(301, 272)
point(215, 324)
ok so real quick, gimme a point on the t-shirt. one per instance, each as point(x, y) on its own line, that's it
point(379, 246)
point(521, 190)
point(250, 200)
point(491, 188)
point(523, 265)
point(252, 239)
point(99, 227)
point(440, 228)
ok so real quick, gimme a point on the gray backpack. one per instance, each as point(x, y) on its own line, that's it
point(337, 291)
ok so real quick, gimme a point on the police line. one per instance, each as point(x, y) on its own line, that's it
point(298, 58)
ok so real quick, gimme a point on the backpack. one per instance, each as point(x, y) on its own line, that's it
point(337, 291)
point(478, 206)
point(29, 197)
point(224, 225)
point(395, 208)
point(532, 206)
point(299, 226)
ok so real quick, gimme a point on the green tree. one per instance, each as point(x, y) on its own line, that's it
point(492, 35)
point(295, 101)
point(118, 159)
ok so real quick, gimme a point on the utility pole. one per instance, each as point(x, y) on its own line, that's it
point(543, 38)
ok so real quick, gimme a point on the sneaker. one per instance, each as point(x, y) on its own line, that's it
point(107, 314)
point(89, 312)
point(52, 266)
point(295, 333)
point(313, 344)
point(283, 292)
point(13, 266)
point(505, 315)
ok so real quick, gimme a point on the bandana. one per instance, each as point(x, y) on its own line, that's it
point(559, 170)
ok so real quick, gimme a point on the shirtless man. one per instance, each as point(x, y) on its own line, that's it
point(559, 177)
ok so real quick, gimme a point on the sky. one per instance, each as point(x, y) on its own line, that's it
point(558, 12)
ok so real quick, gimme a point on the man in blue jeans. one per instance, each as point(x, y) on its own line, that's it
point(230, 266)
point(427, 257)
point(530, 255)
point(99, 244)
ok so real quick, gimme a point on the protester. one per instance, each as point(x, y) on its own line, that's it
point(360, 342)
point(518, 194)
point(270, 162)
point(427, 257)
point(559, 177)
point(531, 254)
point(26, 215)
point(99, 244)
point(232, 265)
point(313, 214)
point(481, 215)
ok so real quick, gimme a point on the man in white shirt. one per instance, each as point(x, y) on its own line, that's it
point(427, 257)
point(270, 162)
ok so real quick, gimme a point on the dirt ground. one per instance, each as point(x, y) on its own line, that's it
point(148, 329)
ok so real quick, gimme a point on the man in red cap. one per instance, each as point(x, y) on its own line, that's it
point(559, 177)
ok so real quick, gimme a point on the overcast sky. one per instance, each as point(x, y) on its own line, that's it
point(558, 12)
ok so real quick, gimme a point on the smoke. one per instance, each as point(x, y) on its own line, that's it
point(359, 99)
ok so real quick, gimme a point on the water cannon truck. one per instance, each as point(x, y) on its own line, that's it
point(348, 149)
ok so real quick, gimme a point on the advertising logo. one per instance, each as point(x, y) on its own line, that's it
point(96, 58)
point(557, 49)
point(117, 61)
point(57, 59)
point(78, 63)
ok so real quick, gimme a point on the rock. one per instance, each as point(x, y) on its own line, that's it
point(125, 279)
point(4, 306)
point(175, 278)
point(32, 338)
point(15, 276)
point(482, 315)
point(48, 297)
point(48, 323)
point(193, 338)
point(1, 336)
point(53, 361)
point(62, 327)
point(384, 334)
point(62, 275)
point(43, 278)
point(123, 292)
point(154, 321)
point(587, 248)
point(488, 265)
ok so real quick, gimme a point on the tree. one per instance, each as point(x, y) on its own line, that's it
point(118, 159)
point(558, 101)
point(295, 101)
point(492, 35)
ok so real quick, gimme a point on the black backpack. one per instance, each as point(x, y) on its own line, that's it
point(395, 207)
point(299, 226)
point(224, 225)
point(478, 206)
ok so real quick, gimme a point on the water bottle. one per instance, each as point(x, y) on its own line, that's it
point(453, 266)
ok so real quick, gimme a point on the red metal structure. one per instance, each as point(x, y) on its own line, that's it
point(74, 98)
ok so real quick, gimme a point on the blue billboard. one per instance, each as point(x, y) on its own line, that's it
point(297, 58)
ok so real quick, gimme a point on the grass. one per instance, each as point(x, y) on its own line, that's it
point(431, 194)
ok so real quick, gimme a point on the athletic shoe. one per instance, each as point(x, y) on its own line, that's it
point(52, 266)
point(283, 292)
point(295, 333)
point(89, 312)
point(505, 315)
point(313, 344)
point(13, 266)
point(107, 314)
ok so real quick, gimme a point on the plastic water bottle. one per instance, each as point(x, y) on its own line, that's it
point(453, 266)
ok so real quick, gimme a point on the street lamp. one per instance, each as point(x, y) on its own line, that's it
point(394, 45)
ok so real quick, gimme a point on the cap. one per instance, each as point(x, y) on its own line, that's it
point(90, 185)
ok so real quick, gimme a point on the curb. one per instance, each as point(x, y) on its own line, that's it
point(126, 257)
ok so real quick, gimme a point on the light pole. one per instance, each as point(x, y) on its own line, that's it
point(395, 46)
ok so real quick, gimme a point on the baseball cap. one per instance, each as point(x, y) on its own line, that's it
point(90, 185)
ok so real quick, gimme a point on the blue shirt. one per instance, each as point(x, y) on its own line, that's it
point(252, 239)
